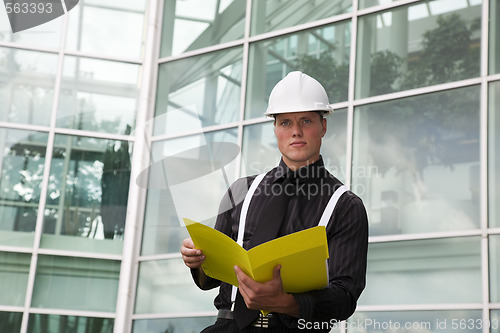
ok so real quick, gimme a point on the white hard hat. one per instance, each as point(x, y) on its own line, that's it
point(297, 92)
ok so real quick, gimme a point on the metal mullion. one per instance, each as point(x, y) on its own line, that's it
point(351, 96)
point(483, 127)
point(99, 135)
point(175, 315)
point(418, 91)
point(382, 8)
point(76, 313)
point(45, 180)
point(424, 236)
point(88, 55)
point(244, 82)
point(20, 126)
point(28, 47)
point(419, 307)
point(78, 254)
point(7, 308)
point(201, 51)
point(301, 27)
point(140, 160)
point(15, 249)
point(195, 131)
point(164, 256)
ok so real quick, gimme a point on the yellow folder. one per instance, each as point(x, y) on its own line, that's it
point(302, 256)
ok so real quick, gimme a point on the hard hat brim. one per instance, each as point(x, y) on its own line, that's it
point(272, 113)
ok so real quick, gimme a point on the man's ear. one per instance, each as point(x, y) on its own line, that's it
point(323, 124)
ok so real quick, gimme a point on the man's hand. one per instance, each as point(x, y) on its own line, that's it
point(193, 258)
point(268, 296)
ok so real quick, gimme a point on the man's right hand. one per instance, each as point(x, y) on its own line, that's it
point(193, 257)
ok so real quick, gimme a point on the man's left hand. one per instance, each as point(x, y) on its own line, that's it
point(267, 296)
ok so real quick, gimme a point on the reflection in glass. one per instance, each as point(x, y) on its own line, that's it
point(260, 149)
point(98, 95)
point(10, 321)
point(494, 154)
point(193, 24)
point(416, 321)
point(494, 268)
point(273, 15)
point(416, 162)
point(166, 286)
point(114, 29)
point(494, 33)
point(87, 194)
point(420, 45)
point(323, 53)
point(27, 80)
point(14, 270)
point(436, 269)
point(333, 148)
point(170, 199)
point(199, 91)
point(22, 158)
point(76, 283)
point(42, 323)
point(185, 324)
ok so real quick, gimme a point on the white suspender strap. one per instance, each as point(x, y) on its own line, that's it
point(325, 218)
point(244, 208)
point(243, 219)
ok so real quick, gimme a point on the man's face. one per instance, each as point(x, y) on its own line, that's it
point(299, 137)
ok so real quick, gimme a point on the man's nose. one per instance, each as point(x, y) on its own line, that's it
point(297, 130)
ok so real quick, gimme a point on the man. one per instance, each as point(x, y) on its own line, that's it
point(290, 198)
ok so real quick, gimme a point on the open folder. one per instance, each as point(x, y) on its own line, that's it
point(302, 256)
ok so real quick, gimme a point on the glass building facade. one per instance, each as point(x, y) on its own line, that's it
point(107, 115)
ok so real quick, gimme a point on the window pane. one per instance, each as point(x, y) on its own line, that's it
point(47, 35)
point(416, 321)
point(76, 283)
point(273, 15)
point(27, 80)
point(114, 29)
point(323, 53)
point(199, 91)
point(10, 321)
point(494, 32)
point(98, 95)
point(87, 196)
point(494, 154)
point(41, 323)
point(192, 324)
point(196, 183)
point(14, 269)
point(193, 24)
point(421, 162)
point(494, 268)
point(430, 271)
point(415, 46)
point(22, 159)
point(166, 286)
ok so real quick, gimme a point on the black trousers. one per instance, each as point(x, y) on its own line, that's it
point(229, 326)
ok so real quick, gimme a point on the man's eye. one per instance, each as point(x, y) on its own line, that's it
point(285, 123)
